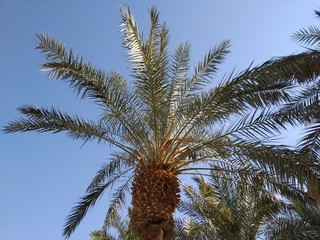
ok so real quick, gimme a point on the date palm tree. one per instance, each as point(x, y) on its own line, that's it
point(100, 235)
point(173, 120)
point(301, 221)
point(304, 107)
point(226, 209)
point(221, 208)
point(119, 226)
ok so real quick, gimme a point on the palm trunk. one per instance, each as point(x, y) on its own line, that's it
point(155, 196)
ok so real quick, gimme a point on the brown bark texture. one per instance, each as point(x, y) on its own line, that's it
point(155, 196)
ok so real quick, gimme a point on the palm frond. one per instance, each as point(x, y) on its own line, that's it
point(53, 120)
point(178, 74)
point(303, 67)
point(309, 37)
point(108, 90)
point(120, 163)
point(234, 97)
point(281, 170)
point(101, 235)
point(53, 50)
point(179, 68)
point(209, 66)
point(286, 167)
point(292, 228)
point(149, 63)
point(302, 109)
point(83, 77)
point(118, 226)
point(148, 58)
point(300, 221)
point(93, 194)
point(80, 210)
point(310, 142)
point(201, 207)
point(133, 41)
point(256, 126)
point(117, 201)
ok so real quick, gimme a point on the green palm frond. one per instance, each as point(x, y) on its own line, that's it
point(283, 170)
point(205, 70)
point(300, 221)
point(119, 226)
point(133, 41)
point(310, 142)
point(122, 226)
point(211, 203)
point(108, 90)
point(190, 229)
point(149, 57)
point(115, 166)
point(303, 67)
point(256, 126)
point(81, 76)
point(149, 60)
point(307, 211)
point(80, 210)
point(179, 68)
point(53, 120)
point(178, 86)
point(309, 36)
point(302, 109)
point(232, 97)
point(53, 50)
point(118, 200)
point(100, 235)
point(94, 192)
point(282, 228)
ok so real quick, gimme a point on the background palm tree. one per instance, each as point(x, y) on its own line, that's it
point(300, 221)
point(171, 121)
point(100, 235)
point(119, 226)
point(226, 209)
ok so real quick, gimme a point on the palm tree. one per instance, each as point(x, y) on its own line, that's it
point(100, 235)
point(172, 121)
point(226, 209)
point(304, 107)
point(301, 221)
point(119, 225)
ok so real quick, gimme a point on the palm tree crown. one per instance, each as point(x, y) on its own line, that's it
point(225, 209)
point(172, 121)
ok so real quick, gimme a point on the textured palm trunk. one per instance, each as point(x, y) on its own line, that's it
point(155, 196)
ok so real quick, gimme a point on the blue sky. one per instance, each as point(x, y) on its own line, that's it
point(43, 175)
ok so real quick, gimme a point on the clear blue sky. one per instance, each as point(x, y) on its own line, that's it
point(42, 175)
